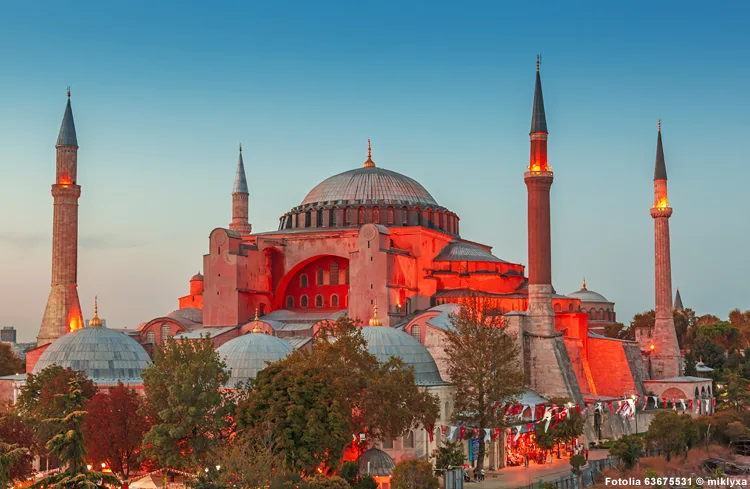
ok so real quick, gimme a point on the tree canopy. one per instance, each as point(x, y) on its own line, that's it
point(9, 362)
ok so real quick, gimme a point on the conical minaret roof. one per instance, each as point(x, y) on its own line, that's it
point(678, 302)
point(538, 118)
point(660, 169)
point(67, 136)
point(240, 182)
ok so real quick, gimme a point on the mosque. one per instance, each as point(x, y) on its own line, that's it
point(375, 245)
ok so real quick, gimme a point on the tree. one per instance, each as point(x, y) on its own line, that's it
point(68, 447)
point(619, 331)
point(672, 433)
point(9, 456)
point(569, 428)
point(451, 454)
point(9, 362)
point(741, 321)
point(722, 333)
point(709, 351)
point(684, 324)
point(17, 435)
point(690, 365)
point(483, 365)
point(643, 320)
point(414, 474)
point(185, 404)
point(339, 389)
point(322, 482)
point(247, 460)
point(736, 392)
point(630, 449)
point(576, 462)
point(114, 428)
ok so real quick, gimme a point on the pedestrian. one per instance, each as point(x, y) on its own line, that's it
point(481, 475)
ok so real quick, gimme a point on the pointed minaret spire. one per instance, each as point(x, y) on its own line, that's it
point(660, 169)
point(67, 136)
point(240, 204)
point(369, 163)
point(538, 117)
point(678, 302)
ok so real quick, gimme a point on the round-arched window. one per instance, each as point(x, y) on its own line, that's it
point(334, 300)
point(303, 301)
point(318, 300)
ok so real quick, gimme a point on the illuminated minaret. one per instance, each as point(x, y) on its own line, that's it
point(240, 205)
point(665, 351)
point(63, 312)
point(547, 364)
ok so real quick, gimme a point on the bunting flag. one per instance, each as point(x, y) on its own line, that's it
point(495, 405)
point(578, 410)
point(540, 410)
point(547, 418)
point(453, 430)
point(609, 405)
point(462, 433)
point(443, 428)
point(518, 433)
point(645, 403)
point(690, 404)
point(674, 404)
point(487, 436)
point(684, 407)
point(656, 401)
point(665, 403)
point(496, 433)
point(713, 403)
point(431, 432)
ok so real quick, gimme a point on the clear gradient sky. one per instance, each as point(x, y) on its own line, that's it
point(164, 91)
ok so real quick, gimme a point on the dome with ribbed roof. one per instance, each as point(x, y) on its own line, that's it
point(247, 355)
point(375, 462)
point(190, 313)
point(385, 342)
point(104, 355)
point(370, 185)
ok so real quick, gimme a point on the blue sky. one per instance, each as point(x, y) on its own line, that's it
point(163, 92)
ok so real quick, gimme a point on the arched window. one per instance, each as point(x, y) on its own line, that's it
point(570, 308)
point(390, 216)
point(319, 280)
point(346, 275)
point(409, 440)
point(165, 332)
point(361, 216)
point(289, 302)
point(334, 271)
point(696, 393)
point(376, 216)
point(347, 216)
point(303, 281)
point(319, 219)
point(404, 216)
point(308, 219)
point(388, 444)
point(318, 300)
point(303, 301)
point(416, 333)
point(334, 300)
point(558, 308)
point(333, 217)
point(151, 338)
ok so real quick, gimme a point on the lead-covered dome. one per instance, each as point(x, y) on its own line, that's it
point(247, 355)
point(385, 342)
point(104, 355)
point(370, 184)
point(586, 295)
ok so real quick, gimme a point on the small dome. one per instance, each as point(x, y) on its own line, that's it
point(197, 276)
point(378, 463)
point(190, 313)
point(104, 355)
point(385, 342)
point(370, 183)
point(586, 295)
point(247, 355)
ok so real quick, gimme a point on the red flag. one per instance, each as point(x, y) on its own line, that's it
point(713, 404)
point(431, 432)
point(443, 428)
point(609, 405)
point(496, 433)
point(495, 405)
point(508, 408)
point(665, 402)
point(528, 427)
point(690, 404)
point(462, 432)
point(578, 408)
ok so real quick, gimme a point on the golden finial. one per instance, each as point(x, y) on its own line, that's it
point(369, 163)
point(538, 61)
point(583, 287)
point(375, 320)
point(658, 125)
point(95, 321)
point(68, 92)
point(256, 328)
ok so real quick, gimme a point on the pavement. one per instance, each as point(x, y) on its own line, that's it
point(513, 477)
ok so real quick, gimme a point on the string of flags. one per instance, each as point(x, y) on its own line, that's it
point(552, 414)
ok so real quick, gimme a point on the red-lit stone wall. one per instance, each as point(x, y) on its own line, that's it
point(32, 356)
point(610, 367)
point(315, 279)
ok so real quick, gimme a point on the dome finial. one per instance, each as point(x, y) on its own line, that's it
point(658, 125)
point(538, 61)
point(240, 147)
point(369, 163)
point(256, 328)
point(375, 320)
point(95, 321)
point(68, 92)
point(583, 286)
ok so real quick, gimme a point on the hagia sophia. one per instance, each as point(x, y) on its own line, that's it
point(375, 245)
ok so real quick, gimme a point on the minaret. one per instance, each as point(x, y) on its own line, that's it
point(665, 354)
point(678, 302)
point(63, 312)
point(546, 362)
point(240, 204)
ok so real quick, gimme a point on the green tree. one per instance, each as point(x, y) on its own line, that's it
point(711, 352)
point(247, 460)
point(451, 454)
point(414, 474)
point(619, 331)
point(736, 392)
point(9, 362)
point(690, 365)
point(722, 333)
point(322, 482)
point(629, 449)
point(16, 435)
point(483, 366)
point(349, 472)
point(577, 462)
point(366, 482)
point(184, 403)
point(339, 389)
point(67, 445)
point(684, 324)
point(569, 428)
point(672, 433)
point(9, 456)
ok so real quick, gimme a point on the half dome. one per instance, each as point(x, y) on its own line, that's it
point(190, 313)
point(247, 355)
point(371, 184)
point(385, 342)
point(104, 355)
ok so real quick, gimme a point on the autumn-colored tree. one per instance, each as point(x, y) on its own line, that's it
point(684, 324)
point(736, 394)
point(114, 428)
point(184, 403)
point(483, 366)
point(9, 456)
point(706, 319)
point(722, 333)
point(15, 433)
point(619, 331)
point(741, 321)
point(414, 474)
point(672, 433)
point(314, 401)
point(9, 362)
point(322, 482)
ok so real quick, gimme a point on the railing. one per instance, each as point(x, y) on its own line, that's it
point(570, 481)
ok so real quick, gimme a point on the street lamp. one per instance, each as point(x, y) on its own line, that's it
point(89, 467)
point(103, 465)
point(218, 467)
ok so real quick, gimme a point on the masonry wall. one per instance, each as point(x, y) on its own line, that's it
point(610, 368)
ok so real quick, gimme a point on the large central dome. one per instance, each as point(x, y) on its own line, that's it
point(371, 184)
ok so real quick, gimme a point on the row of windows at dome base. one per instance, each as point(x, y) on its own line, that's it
point(304, 301)
point(333, 276)
point(350, 216)
point(165, 333)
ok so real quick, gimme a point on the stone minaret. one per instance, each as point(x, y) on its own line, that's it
point(63, 312)
point(665, 352)
point(240, 204)
point(547, 364)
